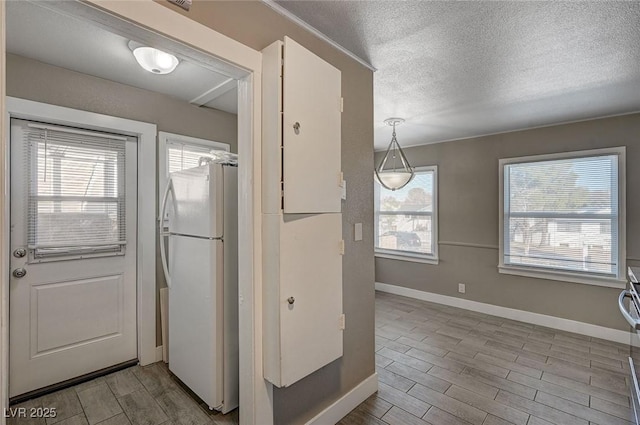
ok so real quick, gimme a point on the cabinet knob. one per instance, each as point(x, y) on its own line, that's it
point(296, 127)
point(291, 300)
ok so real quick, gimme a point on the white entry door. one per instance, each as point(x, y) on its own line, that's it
point(73, 253)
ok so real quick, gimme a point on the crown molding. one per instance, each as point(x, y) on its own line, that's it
point(290, 16)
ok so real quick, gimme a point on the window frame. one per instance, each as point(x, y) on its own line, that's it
point(38, 253)
point(407, 255)
point(588, 278)
point(163, 166)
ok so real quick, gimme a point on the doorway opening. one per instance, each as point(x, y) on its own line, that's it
point(246, 125)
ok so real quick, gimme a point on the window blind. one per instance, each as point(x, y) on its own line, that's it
point(181, 155)
point(562, 214)
point(76, 190)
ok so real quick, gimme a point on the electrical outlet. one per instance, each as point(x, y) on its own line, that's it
point(461, 288)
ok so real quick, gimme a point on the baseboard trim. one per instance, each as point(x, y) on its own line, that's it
point(345, 404)
point(559, 323)
point(159, 353)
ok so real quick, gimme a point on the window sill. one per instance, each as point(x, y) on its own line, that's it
point(414, 258)
point(609, 282)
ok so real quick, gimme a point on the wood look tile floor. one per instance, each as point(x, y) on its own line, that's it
point(436, 365)
point(441, 365)
point(135, 396)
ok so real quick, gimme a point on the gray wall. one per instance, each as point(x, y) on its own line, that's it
point(33, 80)
point(256, 25)
point(468, 215)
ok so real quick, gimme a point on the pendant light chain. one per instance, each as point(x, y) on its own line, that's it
point(394, 142)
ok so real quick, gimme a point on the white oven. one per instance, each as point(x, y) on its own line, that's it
point(631, 313)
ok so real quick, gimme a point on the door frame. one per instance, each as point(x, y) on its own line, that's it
point(4, 228)
point(146, 169)
point(154, 22)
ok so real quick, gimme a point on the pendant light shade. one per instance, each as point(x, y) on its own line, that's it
point(394, 171)
point(394, 180)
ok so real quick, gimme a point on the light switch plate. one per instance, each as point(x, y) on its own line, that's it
point(357, 232)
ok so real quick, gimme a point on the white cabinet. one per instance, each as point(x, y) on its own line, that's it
point(301, 206)
point(303, 295)
point(302, 110)
point(311, 132)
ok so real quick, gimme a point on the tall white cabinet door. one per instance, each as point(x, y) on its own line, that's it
point(304, 326)
point(311, 132)
point(302, 222)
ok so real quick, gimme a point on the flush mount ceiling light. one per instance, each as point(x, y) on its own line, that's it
point(394, 171)
point(153, 60)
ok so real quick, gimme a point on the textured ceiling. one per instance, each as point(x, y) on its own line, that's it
point(462, 69)
point(46, 36)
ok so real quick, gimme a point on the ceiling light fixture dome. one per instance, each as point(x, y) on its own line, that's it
point(154, 60)
point(400, 173)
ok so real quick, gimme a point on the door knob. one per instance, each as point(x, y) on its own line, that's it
point(296, 127)
point(20, 252)
point(291, 300)
point(21, 272)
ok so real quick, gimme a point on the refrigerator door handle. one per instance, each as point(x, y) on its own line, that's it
point(163, 234)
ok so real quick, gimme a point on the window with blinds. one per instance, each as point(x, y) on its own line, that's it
point(406, 218)
point(181, 155)
point(563, 214)
point(179, 152)
point(76, 193)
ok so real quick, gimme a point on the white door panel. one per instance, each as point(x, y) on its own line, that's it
point(73, 313)
point(311, 132)
point(98, 312)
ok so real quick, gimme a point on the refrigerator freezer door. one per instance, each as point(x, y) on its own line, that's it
point(196, 316)
point(197, 201)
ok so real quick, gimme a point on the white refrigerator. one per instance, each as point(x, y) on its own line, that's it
point(201, 268)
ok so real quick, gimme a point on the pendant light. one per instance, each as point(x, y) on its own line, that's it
point(398, 173)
